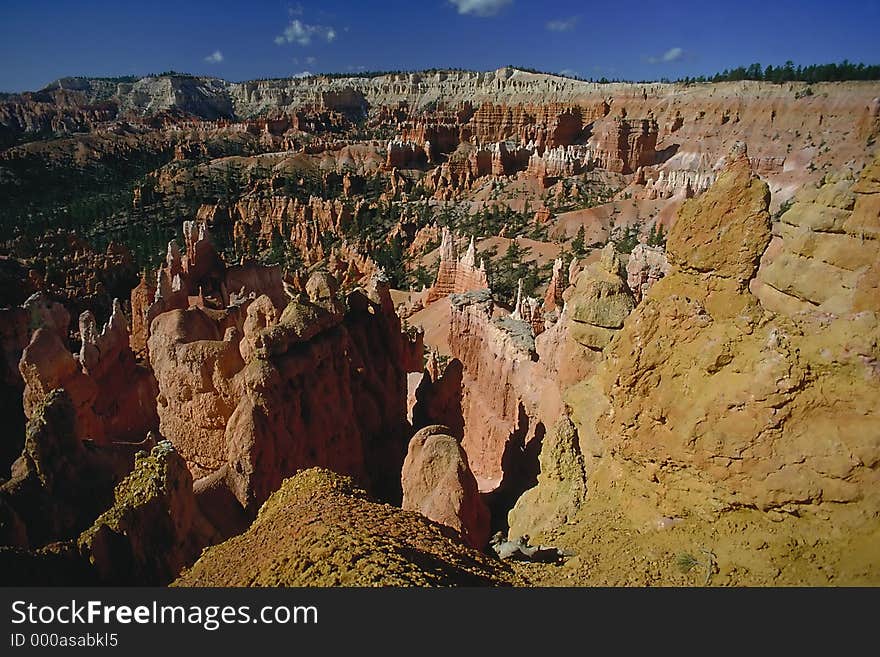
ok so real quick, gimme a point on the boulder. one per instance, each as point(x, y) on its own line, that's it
point(438, 483)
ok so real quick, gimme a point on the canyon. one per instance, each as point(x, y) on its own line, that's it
point(350, 327)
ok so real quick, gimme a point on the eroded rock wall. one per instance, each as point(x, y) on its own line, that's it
point(316, 382)
point(710, 402)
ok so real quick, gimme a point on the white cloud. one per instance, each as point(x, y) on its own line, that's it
point(671, 55)
point(569, 73)
point(480, 7)
point(303, 33)
point(311, 61)
point(302, 74)
point(562, 24)
point(215, 57)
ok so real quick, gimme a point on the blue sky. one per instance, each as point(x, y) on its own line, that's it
point(42, 40)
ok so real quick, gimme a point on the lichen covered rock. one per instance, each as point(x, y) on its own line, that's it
point(319, 529)
point(599, 302)
point(152, 530)
point(561, 489)
point(59, 484)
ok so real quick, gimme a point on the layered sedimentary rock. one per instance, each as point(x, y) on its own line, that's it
point(51, 111)
point(623, 145)
point(548, 126)
point(319, 529)
point(709, 402)
point(469, 164)
point(709, 397)
point(364, 359)
point(438, 483)
point(823, 256)
point(438, 108)
point(435, 133)
point(455, 275)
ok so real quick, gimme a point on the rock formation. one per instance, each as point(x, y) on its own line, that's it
point(59, 484)
point(492, 352)
point(455, 275)
point(555, 288)
point(112, 394)
point(625, 144)
point(823, 256)
point(152, 530)
point(561, 489)
point(17, 326)
point(759, 388)
point(222, 378)
point(646, 266)
point(728, 379)
point(599, 302)
point(438, 397)
point(438, 483)
point(318, 529)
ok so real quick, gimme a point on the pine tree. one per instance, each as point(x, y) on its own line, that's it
point(578, 247)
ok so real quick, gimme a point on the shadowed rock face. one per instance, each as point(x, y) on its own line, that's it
point(153, 528)
point(59, 483)
point(438, 397)
point(18, 323)
point(318, 529)
point(438, 483)
point(561, 489)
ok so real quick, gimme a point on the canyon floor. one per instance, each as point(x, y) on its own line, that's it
point(343, 331)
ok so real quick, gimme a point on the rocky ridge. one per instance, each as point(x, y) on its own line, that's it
point(318, 529)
